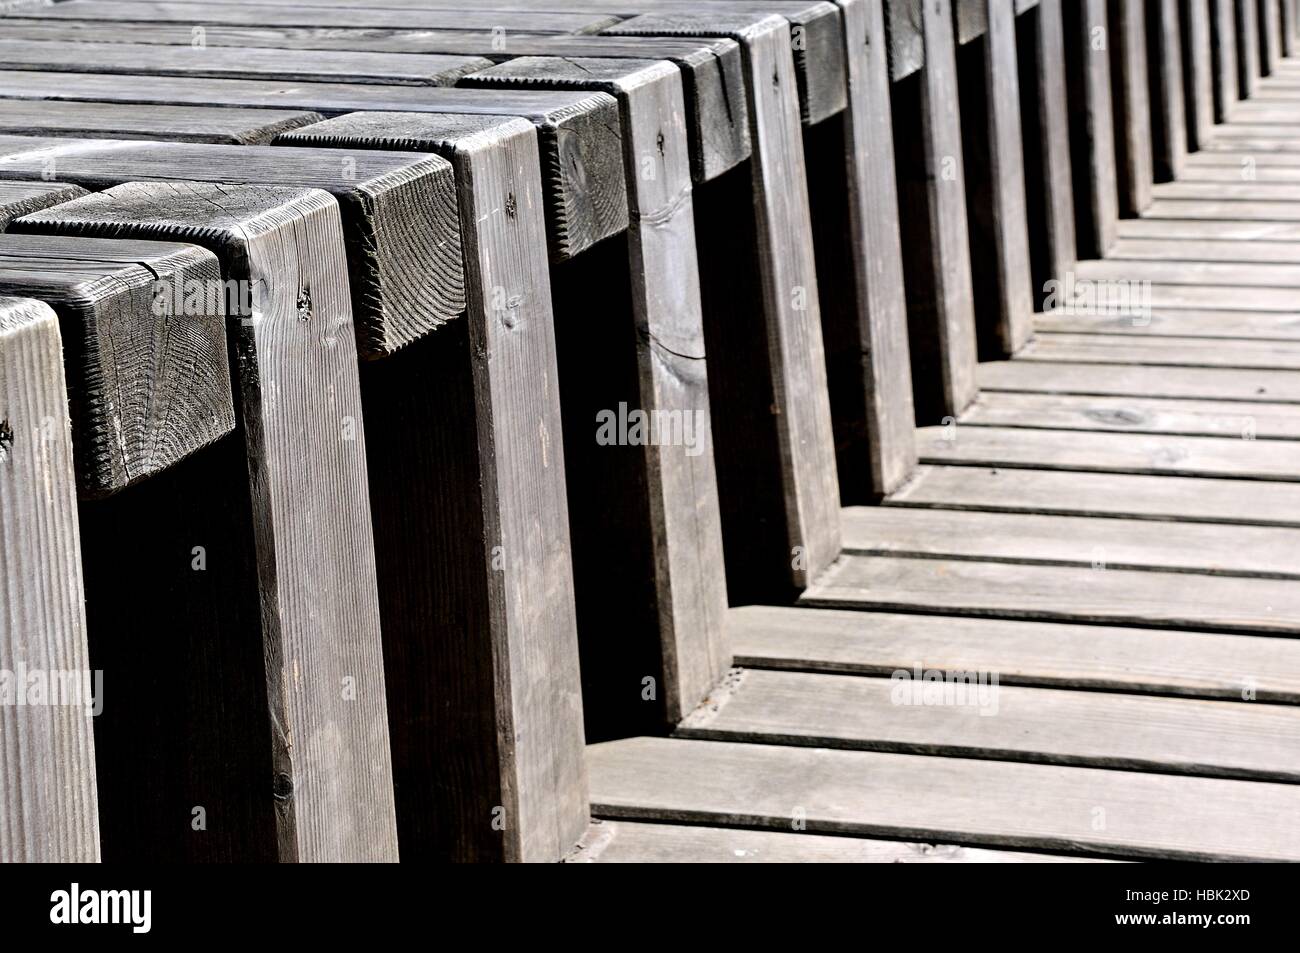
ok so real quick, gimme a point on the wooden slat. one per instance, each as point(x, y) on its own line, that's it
point(682, 535)
point(1092, 129)
point(906, 41)
point(1191, 382)
point(506, 459)
point(1046, 131)
point(1239, 229)
point(1037, 725)
point(1113, 452)
point(586, 199)
point(406, 279)
point(1078, 493)
point(780, 415)
point(1165, 351)
point(1270, 36)
point(1168, 105)
point(126, 121)
point(147, 385)
point(310, 515)
point(1248, 59)
point(1223, 36)
point(1184, 322)
point(1199, 76)
point(1048, 540)
point(1127, 40)
point(1116, 813)
point(47, 758)
point(1048, 654)
point(995, 178)
point(1207, 249)
point(19, 198)
point(624, 842)
point(1203, 418)
point(936, 247)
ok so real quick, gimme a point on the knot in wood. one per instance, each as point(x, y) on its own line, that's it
point(6, 438)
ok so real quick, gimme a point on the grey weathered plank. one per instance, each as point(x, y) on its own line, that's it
point(1167, 351)
point(1050, 540)
point(47, 759)
point(1077, 493)
point(413, 69)
point(685, 528)
point(1223, 36)
point(995, 175)
point(1248, 58)
point(906, 41)
point(1270, 35)
point(304, 437)
point(1144, 597)
point(1269, 197)
point(467, 18)
point(1044, 115)
point(127, 121)
point(1199, 230)
point(1185, 322)
point(579, 134)
point(148, 383)
point(1207, 249)
point(406, 279)
point(971, 19)
point(1114, 452)
point(991, 721)
point(1051, 654)
point(1191, 418)
point(1116, 813)
point(505, 460)
point(798, 404)
point(1168, 105)
point(1280, 299)
point(936, 246)
point(19, 198)
point(1092, 128)
point(1199, 77)
point(624, 842)
point(1127, 41)
point(1179, 382)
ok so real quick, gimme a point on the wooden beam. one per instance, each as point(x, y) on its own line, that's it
point(1092, 129)
point(489, 518)
point(1248, 49)
point(1270, 35)
point(586, 202)
point(47, 760)
point(1131, 86)
point(995, 181)
point(308, 516)
point(1199, 75)
point(126, 121)
point(971, 20)
point(1223, 37)
point(1044, 114)
point(147, 386)
point(1168, 110)
point(936, 246)
point(783, 534)
point(906, 40)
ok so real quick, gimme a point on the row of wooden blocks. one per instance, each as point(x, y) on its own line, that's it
point(312, 313)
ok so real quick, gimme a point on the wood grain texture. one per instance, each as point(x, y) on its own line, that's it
point(1223, 37)
point(1177, 382)
point(803, 537)
point(304, 438)
point(936, 247)
point(995, 179)
point(1046, 654)
point(1129, 67)
point(974, 802)
point(684, 531)
point(480, 507)
point(1214, 739)
point(406, 281)
point(1045, 130)
point(1145, 597)
point(148, 383)
point(1168, 103)
point(624, 842)
point(586, 200)
point(126, 121)
point(1092, 128)
point(47, 759)
point(1199, 75)
point(19, 198)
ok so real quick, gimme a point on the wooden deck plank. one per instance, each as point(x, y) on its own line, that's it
point(1117, 813)
point(1168, 103)
point(1177, 600)
point(1140, 453)
point(1076, 493)
point(47, 751)
point(1238, 228)
point(1208, 249)
point(1163, 351)
point(981, 718)
point(129, 121)
point(1223, 34)
point(1102, 542)
point(1134, 130)
point(1188, 418)
point(1199, 78)
point(1092, 127)
point(1226, 324)
point(1047, 654)
point(19, 198)
point(1213, 383)
point(627, 842)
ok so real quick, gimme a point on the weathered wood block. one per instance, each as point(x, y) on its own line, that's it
point(1131, 88)
point(971, 19)
point(48, 800)
point(1249, 66)
point(1092, 128)
point(19, 198)
point(129, 121)
point(480, 507)
point(305, 531)
point(1199, 76)
point(1168, 106)
point(906, 40)
point(1223, 36)
point(147, 386)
